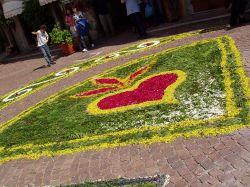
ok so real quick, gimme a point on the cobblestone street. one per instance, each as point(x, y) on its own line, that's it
point(212, 161)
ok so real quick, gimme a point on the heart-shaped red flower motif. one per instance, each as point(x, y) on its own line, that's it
point(154, 89)
point(149, 90)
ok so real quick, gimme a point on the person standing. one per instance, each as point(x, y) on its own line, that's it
point(42, 43)
point(133, 12)
point(101, 8)
point(82, 27)
point(237, 11)
point(70, 22)
point(71, 25)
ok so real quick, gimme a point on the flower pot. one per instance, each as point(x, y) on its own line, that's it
point(68, 49)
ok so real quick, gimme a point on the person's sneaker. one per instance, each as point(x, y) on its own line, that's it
point(92, 45)
point(84, 50)
point(48, 65)
point(53, 63)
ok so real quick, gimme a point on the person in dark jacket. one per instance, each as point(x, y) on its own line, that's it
point(101, 8)
point(82, 27)
point(237, 11)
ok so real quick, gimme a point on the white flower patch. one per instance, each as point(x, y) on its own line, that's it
point(66, 71)
point(140, 46)
point(205, 110)
point(29, 88)
point(205, 105)
point(149, 44)
point(113, 55)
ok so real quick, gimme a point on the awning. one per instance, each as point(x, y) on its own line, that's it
point(12, 8)
point(44, 2)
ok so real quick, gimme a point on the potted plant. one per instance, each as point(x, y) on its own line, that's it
point(63, 39)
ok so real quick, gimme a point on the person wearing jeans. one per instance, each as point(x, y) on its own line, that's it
point(42, 40)
point(133, 12)
point(46, 53)
point(101, 8)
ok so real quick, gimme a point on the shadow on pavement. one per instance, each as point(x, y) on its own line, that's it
point(40, 67)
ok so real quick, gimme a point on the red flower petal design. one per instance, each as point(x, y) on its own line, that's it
point(108, 81)
point(149, 90)
point(138, 72)
point(95, 92)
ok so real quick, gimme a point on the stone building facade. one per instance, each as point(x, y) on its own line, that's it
point(171, 10)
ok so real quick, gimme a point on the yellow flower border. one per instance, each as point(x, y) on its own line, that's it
point(167, 38)
point(167, 99)
point(240, 70)
point(206, 131)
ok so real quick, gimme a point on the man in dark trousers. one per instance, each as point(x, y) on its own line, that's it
point(134, 13)
point(237, 11)
point(101, 8)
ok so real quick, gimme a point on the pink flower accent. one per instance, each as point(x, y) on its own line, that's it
point(95, 92)
point(150, 90)
point(108, 81)
point(112, 81)
point(137, 73)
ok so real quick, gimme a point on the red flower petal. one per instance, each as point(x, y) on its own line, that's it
point(138, 72)
point(149, 90)
point(108, 81)
point(95, 92)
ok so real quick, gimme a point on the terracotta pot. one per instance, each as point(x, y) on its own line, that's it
point(68, 49)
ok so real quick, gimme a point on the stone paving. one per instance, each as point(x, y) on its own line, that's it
point(212, 161)
point(15, 74)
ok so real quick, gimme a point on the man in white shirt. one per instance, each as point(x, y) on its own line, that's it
point(42, 40)
point(133, 12)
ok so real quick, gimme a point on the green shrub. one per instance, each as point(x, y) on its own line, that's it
point(60, 36)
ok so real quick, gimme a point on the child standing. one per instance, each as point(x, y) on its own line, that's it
point(42, 40)
point(82, 27)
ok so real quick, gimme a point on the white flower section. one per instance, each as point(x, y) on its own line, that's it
point(108, 56)
point(204, 106)
point(29, 88)
point(139, 47)
point(66, 71)
point(149, 44)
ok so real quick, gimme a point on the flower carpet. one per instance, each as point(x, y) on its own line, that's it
point(190, 91)
point(52, 78)
point(151, 181)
